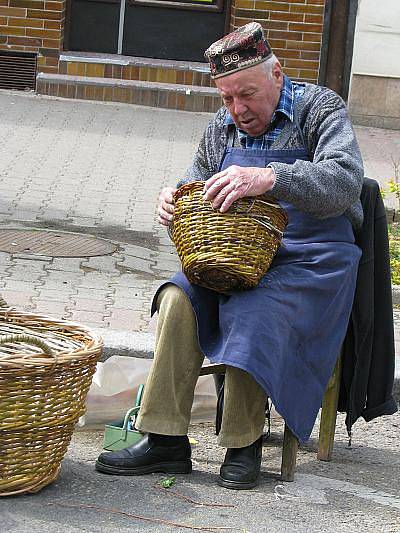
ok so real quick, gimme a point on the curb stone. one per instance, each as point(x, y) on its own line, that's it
point(126, 343)
point(396, 294)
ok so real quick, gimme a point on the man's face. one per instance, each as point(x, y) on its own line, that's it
point(251, 97)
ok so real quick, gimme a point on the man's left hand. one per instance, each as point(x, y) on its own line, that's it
point(236, 182)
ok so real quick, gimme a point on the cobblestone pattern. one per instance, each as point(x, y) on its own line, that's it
point(99, 167)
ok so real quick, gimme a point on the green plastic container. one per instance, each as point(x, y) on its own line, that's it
point(117, 435)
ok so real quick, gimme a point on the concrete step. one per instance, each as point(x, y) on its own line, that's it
point(147, 93)
point(135, 68)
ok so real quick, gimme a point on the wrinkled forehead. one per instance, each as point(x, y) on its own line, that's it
point(242, 80)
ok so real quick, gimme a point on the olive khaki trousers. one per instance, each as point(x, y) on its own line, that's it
point(169, 390)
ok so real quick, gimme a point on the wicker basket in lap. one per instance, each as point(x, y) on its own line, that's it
point(46, 368)
point(225, 251)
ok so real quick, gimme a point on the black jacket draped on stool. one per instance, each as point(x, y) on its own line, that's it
point(368, 350)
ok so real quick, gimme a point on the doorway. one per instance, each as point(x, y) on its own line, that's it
point(161, 29)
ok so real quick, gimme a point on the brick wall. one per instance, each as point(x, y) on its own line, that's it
point(293, 29)
point(33, 26)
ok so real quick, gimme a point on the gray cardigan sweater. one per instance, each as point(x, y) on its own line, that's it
point(329, 184)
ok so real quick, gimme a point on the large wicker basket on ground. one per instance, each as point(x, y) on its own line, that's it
point(225, 251)
point(46, 368)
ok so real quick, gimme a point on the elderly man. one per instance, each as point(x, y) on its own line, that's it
point(281, 339)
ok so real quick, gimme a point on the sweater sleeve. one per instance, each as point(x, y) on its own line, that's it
point(209, 152)
point(331, 182)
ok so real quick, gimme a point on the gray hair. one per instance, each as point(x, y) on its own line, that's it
point(268, 65)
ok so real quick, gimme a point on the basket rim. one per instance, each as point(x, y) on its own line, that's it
point(249, 234)
point(197, 184)
point(92, 341)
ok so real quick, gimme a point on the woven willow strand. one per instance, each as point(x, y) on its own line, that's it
point(46, 369)
point(29, 339)
point(225, 251)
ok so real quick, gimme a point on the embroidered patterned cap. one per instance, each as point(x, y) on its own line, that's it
point(243, 48)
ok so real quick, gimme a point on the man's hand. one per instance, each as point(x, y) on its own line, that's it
point(165, 206)
point(235, 182)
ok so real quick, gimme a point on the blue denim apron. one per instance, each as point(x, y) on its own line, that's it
point(287, 332)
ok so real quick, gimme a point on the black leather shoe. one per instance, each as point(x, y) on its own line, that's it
point(241, 468)
point(149, 455)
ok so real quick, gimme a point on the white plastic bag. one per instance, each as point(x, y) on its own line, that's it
point(115, 385)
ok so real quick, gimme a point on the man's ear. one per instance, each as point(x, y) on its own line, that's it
point(277, 74)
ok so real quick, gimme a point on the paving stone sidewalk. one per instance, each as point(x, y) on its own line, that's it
point(97, 168)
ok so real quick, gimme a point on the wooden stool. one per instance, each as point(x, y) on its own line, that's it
point(326, 428)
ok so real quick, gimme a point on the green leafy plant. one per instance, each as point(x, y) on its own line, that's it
point(168, 482)
point(393, 187)
point(394, 251)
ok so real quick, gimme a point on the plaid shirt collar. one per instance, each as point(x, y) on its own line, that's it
point(285, 105)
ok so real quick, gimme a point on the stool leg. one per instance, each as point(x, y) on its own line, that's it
point(328, 414)
point(289, 455)
point(218, 381)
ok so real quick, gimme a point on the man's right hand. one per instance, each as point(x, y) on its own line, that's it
point(165, 206)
